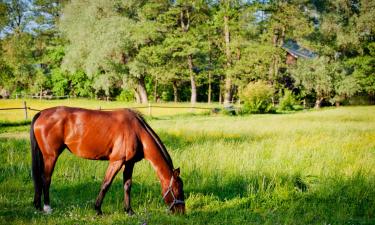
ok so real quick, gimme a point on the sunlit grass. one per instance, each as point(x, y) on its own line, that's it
point(314, 167)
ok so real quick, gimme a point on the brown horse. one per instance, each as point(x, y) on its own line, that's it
point(122, 137)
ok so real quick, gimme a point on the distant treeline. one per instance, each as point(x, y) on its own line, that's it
point(197, 50)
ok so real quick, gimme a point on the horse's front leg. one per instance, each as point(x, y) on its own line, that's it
point(128, 172)
point(111, 172)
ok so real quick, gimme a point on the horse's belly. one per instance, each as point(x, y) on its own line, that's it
point(89, 150)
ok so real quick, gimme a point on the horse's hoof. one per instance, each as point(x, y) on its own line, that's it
point(98, 212)
point(130, 212)
point(37, 205)
point(47, 209)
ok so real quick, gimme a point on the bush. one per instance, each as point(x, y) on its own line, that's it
point(125, 95)
point(288, 101)
point(257, 97)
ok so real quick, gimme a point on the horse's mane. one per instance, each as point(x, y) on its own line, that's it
point(163, 149)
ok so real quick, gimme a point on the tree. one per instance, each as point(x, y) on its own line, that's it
point(347, 30)
point(316, 77)
point(363, 67)
point(18, 58)
point(119, 31)
point(4, 20)
point(18, 16)
point(228, 11)
point(185, 41)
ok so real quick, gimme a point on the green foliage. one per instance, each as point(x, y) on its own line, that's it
point(6, 75)
point(18, 59)
point(364, 69)
point(166, 96)
point(345, 86)
point(3, 15)
point(288, 101)
point(81, 84)
point(60, 82)
point(150, 47)
point(257, 97)
point(126, 96)
point(316, 76)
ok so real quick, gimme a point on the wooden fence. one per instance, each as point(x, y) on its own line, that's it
point(26, 108)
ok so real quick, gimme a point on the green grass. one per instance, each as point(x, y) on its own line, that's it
point(314, 167)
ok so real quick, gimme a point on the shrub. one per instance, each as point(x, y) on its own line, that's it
point(126, 96)
point(257, 97)
point(288, 101)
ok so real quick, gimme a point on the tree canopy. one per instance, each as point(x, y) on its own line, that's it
point(198, 50)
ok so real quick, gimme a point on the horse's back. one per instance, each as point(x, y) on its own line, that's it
point(91, 134)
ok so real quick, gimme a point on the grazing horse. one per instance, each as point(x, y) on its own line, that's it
point(122, 137)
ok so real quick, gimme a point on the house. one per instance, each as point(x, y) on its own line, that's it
point(294, 51)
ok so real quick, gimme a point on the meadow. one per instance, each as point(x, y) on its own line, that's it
point(309, 167)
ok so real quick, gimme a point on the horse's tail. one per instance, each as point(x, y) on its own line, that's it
point(37, 165)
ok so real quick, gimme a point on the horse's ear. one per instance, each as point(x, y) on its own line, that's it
point(176, 172)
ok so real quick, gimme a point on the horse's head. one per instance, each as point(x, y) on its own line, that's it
point(174, 194)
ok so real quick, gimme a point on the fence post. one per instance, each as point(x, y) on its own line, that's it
point(25, 107)
point(192, 108)
point(149, 108)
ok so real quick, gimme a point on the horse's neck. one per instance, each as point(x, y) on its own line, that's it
point(159, 163)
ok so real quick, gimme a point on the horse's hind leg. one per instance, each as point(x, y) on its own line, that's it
point(111, 172)
point(128, 172)
point(49, 165)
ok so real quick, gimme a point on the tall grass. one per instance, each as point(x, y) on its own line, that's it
point(306, 168)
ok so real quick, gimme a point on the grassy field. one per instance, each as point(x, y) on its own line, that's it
point(315, 167)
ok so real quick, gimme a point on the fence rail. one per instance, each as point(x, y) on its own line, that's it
point(23, 96)
point(149, 107)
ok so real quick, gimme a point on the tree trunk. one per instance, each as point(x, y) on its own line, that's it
point(221, 90)
point(228, 80)
point(193, 98)
point(137, 97)
point(142, 90)
point(228, 91)
point(185, 24)
point(175, 91)
point(274, 67)
point(209, 72)
point(318, 102)
point(209, 87)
